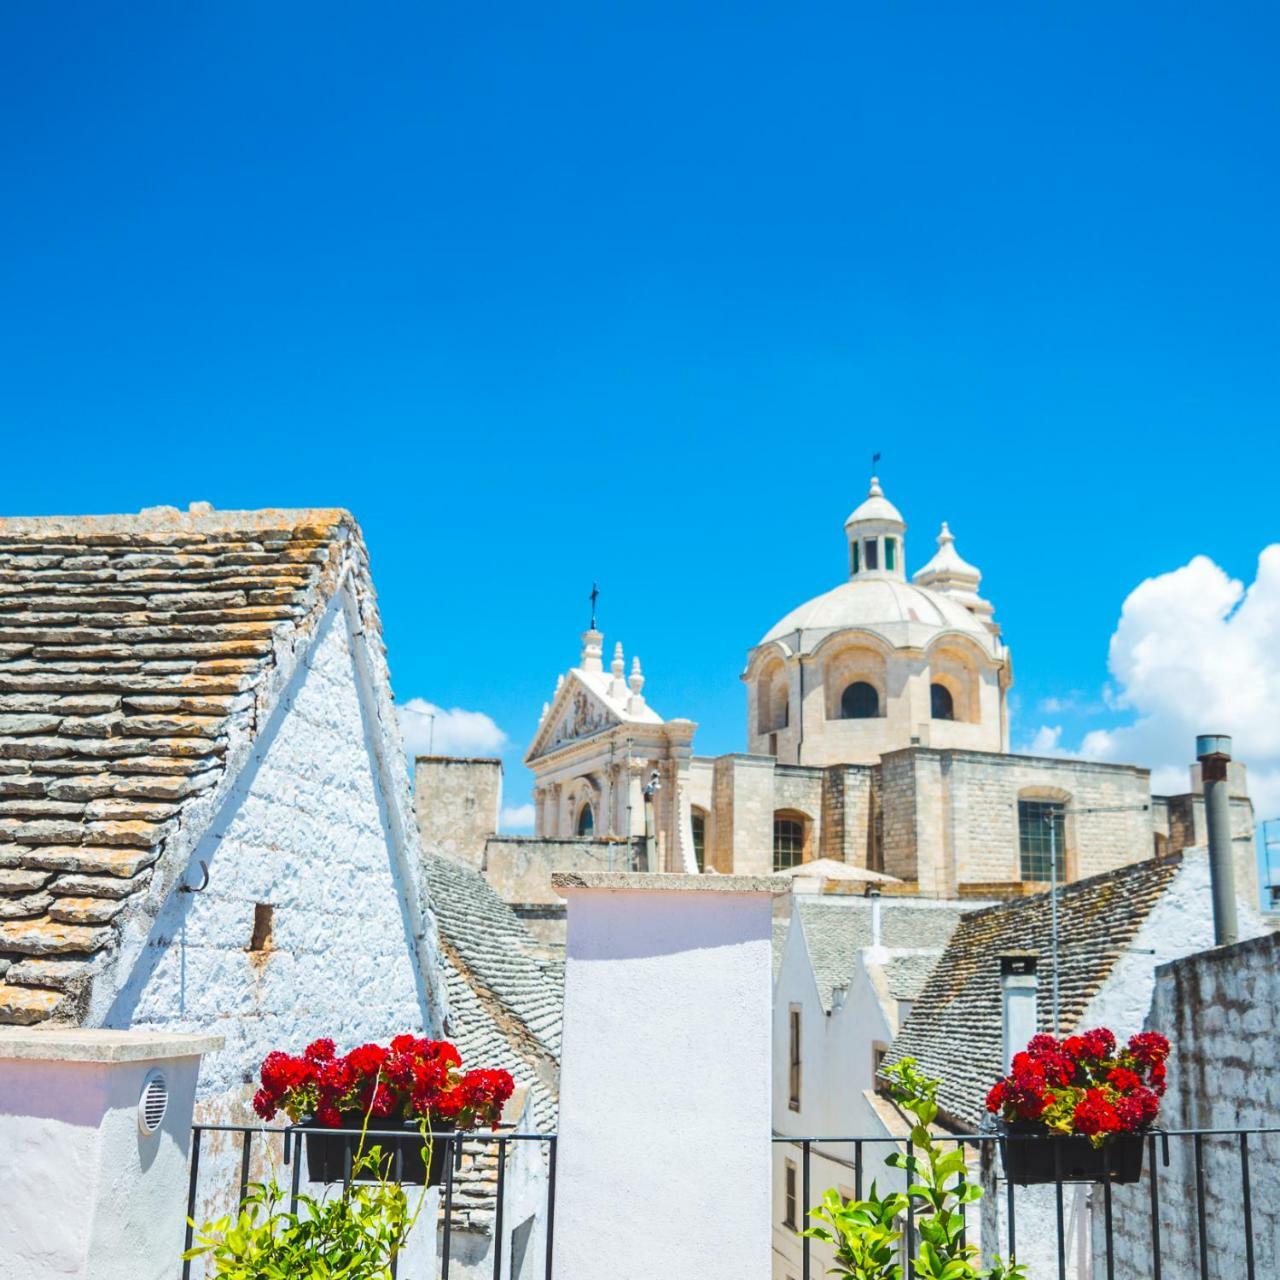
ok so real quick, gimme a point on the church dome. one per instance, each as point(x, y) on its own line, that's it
point(905, 615)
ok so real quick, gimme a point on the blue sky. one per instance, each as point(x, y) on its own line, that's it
point(555, 294)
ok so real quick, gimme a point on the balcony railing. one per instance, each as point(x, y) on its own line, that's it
point(258, 1141)
point(1192, 1216)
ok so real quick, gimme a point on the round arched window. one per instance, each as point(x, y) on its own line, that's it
point(860, 701)
point(586, 821)
point(941, 704)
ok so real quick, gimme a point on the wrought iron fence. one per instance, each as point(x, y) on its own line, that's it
point(255, 1140)
point(1193, 1215)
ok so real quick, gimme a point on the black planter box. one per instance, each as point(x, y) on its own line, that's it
point(1033, 1157)
point(327, 1151)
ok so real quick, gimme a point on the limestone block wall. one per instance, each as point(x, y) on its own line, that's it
point(457, 801)
point(847, 814)
point(982, 813)
point(520, 867)
point(1221, 1010)
point(304, 928)
point(743, 794)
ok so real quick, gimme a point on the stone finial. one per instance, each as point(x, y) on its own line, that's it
point(592, 650)
point(559, 682)
point(546, 706)
point(636, 682)
point(875, 491)
point(618, 686)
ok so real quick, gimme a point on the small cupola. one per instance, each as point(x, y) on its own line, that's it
point(949, 574)
point(877, 547)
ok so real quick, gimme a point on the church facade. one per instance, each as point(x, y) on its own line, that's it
point(877, 735)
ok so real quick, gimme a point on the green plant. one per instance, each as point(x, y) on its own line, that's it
point(353, 1235)
point(866, 1232)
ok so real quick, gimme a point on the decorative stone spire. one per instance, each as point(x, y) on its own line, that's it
point(592, 650)
point(618, 686)
point(636, 701)
point(546, 706)
point(875, 532)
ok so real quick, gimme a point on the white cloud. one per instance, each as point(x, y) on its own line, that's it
point(455, 732)
point(517, 817)
point(1196, 652)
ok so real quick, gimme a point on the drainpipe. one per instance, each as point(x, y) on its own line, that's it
point(1018, 989)
point(1213, 750)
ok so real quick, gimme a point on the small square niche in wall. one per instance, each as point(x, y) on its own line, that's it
point(263, 919)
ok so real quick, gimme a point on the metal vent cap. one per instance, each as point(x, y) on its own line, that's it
point(153, 1103)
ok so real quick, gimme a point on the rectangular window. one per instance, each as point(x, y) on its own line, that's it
point(1041, 833)
point(853, 556)
point(790, 1200)
point(871, 553)
point(890, 554)
point(700, 840)
point(793, 1099)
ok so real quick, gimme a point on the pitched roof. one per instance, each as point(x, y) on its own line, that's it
point(954, 1030)
point(837, 929)
point(504, 1011)
point(139, 655)
point(484, 938)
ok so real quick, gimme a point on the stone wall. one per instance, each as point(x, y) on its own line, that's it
point(1221, 1010)
point(303, 929)
point(520, 867)
point(743, 795)
point(457, 801)
point(982, 795)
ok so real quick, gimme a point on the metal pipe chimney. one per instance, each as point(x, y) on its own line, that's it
point(1213, 750)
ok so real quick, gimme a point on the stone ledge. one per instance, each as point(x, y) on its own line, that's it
point(651, 881)
point(75, 1044)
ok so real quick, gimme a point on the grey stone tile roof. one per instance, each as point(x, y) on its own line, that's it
point(505, 1010)
point(906, 973)
point(954, 1030)
point(835, 930)
point(138, 656)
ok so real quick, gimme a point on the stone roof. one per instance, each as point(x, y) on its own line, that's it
point(139, 656)
point(836, 931)
point(505, 1010)
point(954, 1030)
point(907, 972)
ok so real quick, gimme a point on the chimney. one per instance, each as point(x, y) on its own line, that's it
point(1213, 750)
point(1018, 988)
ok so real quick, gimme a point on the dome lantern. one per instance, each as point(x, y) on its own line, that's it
point(875, 529)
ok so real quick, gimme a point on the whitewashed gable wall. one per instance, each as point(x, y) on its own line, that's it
point(306, 829)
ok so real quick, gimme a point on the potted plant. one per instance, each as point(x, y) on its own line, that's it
point(414, 1084)
point(1076, 1109)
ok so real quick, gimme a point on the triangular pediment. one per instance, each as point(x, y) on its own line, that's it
point(578, 712)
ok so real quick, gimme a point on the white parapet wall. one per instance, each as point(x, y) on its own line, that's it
point(93, 1186)
point(664, 1148)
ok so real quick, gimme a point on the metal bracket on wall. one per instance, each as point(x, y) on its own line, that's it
point(202, 886)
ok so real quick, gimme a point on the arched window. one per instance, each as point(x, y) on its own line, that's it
point(941, 706)
point(700, 839)
point(860, 701)
point(788, 841)
point(586, 821)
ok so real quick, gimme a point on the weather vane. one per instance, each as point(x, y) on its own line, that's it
point(875, 458)
point(595, 595)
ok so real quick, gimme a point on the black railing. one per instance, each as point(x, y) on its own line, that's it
point(1215, 1168)
point(293, 1157)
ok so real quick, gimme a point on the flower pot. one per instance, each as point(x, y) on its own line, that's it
point(327, 1151)
point(1033, 1157)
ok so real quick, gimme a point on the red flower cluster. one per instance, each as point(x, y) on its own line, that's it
point(1085, 1084)
point(412, 1077)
